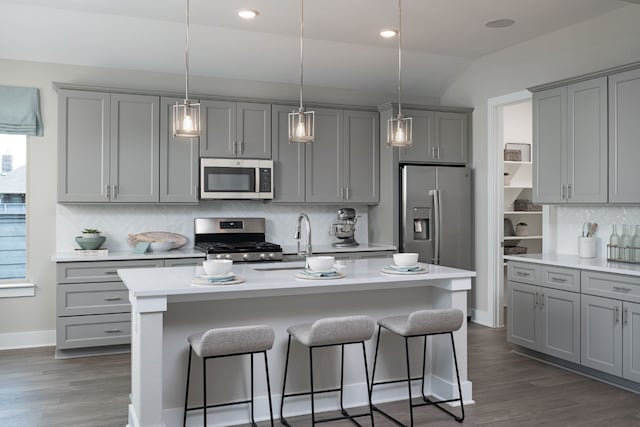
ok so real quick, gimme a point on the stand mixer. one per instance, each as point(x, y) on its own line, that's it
point(345, 229)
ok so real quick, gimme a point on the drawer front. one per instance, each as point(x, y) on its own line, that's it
point(617, 286)
point(566, 279)
point(99, 271)
point(523, 272)
point(75, 299)
point(182, 262)
point(93, 331)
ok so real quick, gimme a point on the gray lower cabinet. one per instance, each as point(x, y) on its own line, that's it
point(92, 304)
point(570, 143)
point(341, 165)
point(235, 130)
point(631, 341)
point(108, 147)
point(624, 128)
point(540, 316)
point(178, 160)
point(183, 262)
point(602, 334)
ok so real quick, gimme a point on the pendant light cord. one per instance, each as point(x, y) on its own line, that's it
point(399, 55)
point(186, 89)
point(301, 57)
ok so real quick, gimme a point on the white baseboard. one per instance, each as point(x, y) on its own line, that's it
point(27, 339)
point(482, 317)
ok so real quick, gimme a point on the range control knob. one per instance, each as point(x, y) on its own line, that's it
point(263, 256)
point(245, 257)
point(219, 256)
point(272, 255)
point(227, 256)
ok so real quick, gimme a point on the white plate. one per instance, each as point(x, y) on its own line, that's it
point(338, 275)
point(217, 276)
point(201, 281)
point(392, 271)
point(401, 267)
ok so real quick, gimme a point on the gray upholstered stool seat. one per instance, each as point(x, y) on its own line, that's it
point(234, 340)
point(424, 322)
point(225, 342)
point(418, 324)
point(334, 331)
point(331, 331)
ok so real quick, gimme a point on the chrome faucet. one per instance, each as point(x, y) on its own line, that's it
point(307, 249)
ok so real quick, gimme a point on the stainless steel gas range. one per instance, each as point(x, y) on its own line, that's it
point(239, 239)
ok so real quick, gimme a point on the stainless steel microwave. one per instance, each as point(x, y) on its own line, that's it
point(236, 179)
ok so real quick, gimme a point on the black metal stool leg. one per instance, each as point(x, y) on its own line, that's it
point(342, 381)
point(253, 421)
point(375, 360)
point(266, 369)
point(284, 383)
point(186, 397)
point(424, 364)
point(204, 386)
point(406, 346)
point(313, 411)
point(455, 360)
point(366, 373)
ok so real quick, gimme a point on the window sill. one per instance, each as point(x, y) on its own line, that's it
point(17, 290)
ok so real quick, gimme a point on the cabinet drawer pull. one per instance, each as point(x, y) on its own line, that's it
point(559, 280)
point(112, 331)
point(521, 274)
point(110, 272)
point(113, 299)
point(620, 289)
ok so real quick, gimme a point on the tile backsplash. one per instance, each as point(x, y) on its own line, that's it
point(117, 221)
point(571, 218)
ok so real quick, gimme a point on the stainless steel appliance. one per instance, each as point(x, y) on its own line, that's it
point(345, 230)
point(239, 239)
point(236, 179)
point(437, 214)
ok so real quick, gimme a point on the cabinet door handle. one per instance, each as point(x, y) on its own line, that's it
point(113, 299)
point(625, 316)
point(112, 331)
point(438, 152)
point(541, 301)
point(433, 152)
point(535, 301)
point(241, 147)
point(233, 147)
point(106, 191)
point(558, 280)
point(110, 272)
point(616, 315)
point(348, 191)
point(115, 191)
point(621, 289)
point(562, 193)
point(568, 191)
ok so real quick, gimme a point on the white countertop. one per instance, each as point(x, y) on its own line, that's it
point(574, 261)
point(328, 249)
point(363, 274)
point(128, 255)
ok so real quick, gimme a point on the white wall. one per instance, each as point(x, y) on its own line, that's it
point(37, 313)
point(606, 41)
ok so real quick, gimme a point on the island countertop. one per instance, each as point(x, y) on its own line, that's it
point(271, 279)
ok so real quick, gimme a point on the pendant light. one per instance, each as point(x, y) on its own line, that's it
point(399, 129)
point(186, 116)
point(301, 122)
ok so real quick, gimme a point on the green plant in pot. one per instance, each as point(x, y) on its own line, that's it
point(90, 239)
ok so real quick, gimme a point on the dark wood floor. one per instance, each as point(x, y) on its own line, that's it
point(509, 390)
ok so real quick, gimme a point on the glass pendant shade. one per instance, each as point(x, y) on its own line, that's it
point(301, 125)
point(400, 131)
point(186, 120)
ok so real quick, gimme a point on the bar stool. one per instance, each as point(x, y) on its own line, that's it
point(328, 332)
point(421, 324)
point(225, 342)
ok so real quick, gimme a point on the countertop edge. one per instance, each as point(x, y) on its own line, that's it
point(574, 261)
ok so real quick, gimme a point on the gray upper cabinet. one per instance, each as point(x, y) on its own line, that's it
point(361, 168)
point(135, 148)
point(570, 143)
point(178, 160)
point(323, 157)
point(83, 146)
point(235, 129)
point(289, 164)
point(423, 136)
point(108, 147)
point(624, 128)
point(450, 142)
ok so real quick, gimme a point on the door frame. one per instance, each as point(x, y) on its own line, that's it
point(495, 170)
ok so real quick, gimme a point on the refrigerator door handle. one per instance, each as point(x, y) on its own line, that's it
point(437, 225)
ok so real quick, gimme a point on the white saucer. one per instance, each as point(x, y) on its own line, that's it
point(202, 281)
point(402, 267)
point(303, 276)
point(391, 270)
point(217, 276)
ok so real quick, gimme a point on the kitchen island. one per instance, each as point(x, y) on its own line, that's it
point(166, 308)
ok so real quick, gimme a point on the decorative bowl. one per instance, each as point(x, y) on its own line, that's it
point(217, 267)
point(407, 259)
point(322, 264)
point(90, 243)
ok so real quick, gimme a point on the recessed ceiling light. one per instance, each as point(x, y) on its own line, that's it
point(500, 23)
point(247, 13)
point(387, 34)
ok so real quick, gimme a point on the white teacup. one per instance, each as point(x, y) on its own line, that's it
point(406, 259)
point(322, 264)
point(217, 267)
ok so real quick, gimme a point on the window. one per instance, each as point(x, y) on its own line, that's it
point(13, 188)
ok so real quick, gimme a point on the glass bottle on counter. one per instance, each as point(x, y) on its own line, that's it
point(625, 243)
point(636, 245)
point(614, 243)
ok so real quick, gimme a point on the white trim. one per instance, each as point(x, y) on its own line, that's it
point(495, 183)
point(482, 317)
point(10, 290)
point(27, 339)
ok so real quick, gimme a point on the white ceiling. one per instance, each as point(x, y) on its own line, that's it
point(342, 46)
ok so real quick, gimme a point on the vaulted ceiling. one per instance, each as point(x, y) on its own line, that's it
point(343, 48)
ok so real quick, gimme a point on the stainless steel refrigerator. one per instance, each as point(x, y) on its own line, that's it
point(437, 215)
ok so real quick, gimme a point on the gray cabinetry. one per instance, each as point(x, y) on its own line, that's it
point(178, 160)
point(570, 143)
point(183, 262)
point(422, 148)
point(108, 147)
point(235, 129)
point(631, 341)
point(323, 157)
point(360, 163)
point(450, 143)
point(543, 315)
point(624, 128)
point(602, 334)
point(289, 160)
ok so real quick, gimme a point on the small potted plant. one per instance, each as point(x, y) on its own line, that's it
point(89, 233)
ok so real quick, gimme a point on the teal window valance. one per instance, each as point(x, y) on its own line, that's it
point(20, 111)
